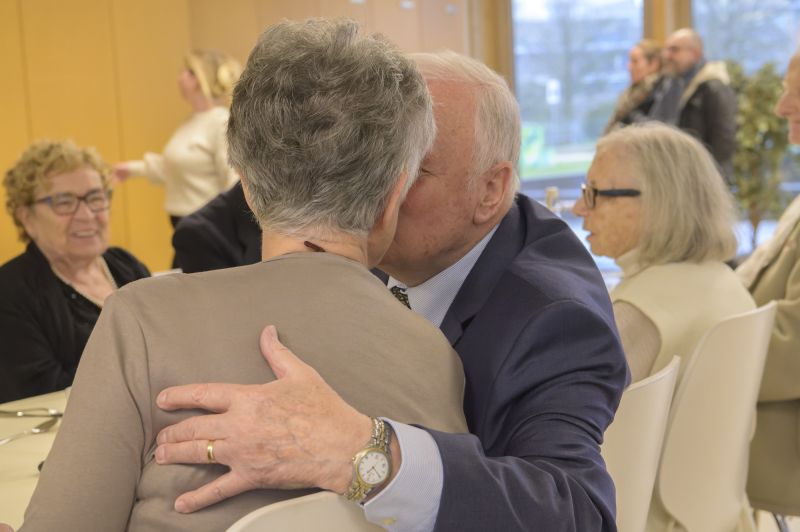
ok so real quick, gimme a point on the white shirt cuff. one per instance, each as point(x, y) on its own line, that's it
point(411, 501)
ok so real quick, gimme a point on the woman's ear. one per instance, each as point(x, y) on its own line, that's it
point(24, 215)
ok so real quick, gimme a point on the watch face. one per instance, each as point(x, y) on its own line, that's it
point(373, 468)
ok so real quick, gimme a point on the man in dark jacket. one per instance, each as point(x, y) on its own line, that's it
point(520, 301)
point(706, 105)
point(222, 234)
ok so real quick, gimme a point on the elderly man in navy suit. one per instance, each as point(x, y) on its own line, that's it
point(521, 302)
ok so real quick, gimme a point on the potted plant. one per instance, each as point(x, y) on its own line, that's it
point(762, 143)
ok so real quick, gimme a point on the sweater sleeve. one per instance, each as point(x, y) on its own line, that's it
point(780, 381)
point(719, 111)
point(151, 166)
point(30, 365)
point(640, 339)
point(90, 476)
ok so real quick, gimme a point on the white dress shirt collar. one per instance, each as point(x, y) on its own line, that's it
point(432, 298)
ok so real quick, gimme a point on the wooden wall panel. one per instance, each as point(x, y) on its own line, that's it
point(150, 108)
point(14, 133)
point(662, 17)
point(444, 25)
point(231, 26)
point(272, 11)
point(70, 69)
point(491, 35)
point(400, 21)
point(103, 73)
point(358, 10)
point(69, 63)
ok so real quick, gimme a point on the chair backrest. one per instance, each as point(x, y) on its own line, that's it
point(319, 511)
point(701, 480)
point(632, 444)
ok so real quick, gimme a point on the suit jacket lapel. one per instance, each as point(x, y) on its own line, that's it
point(500, 251)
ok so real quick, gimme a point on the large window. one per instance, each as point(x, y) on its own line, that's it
point(752, 32)
point(570, 64)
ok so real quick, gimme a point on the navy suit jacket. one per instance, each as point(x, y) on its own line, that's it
point(544, 374)
point(221, 234)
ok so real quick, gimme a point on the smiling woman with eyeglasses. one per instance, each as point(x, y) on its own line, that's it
point(51, 295)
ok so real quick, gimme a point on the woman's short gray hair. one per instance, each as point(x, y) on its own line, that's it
point(497, 120)
point(688, 210)
point(323, 123)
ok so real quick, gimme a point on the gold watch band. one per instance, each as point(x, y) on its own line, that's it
point(379, 441)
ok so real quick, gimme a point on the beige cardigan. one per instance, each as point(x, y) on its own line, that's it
point(683, 301)
point(381, 357)
point(773, 483)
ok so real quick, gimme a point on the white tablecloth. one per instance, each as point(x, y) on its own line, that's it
point(19, 459)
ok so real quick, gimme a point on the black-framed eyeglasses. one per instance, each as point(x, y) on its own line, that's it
point(590, 194)
point(67, 203)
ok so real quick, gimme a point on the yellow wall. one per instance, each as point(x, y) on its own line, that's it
point(103, 73)
point(100, 72)
point(151, 39)
point(15, 129)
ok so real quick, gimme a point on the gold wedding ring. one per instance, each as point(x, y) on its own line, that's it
point(210, 452)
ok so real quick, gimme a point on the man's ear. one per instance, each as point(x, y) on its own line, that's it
point(493, 188)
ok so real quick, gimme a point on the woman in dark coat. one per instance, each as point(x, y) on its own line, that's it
point(51, 295)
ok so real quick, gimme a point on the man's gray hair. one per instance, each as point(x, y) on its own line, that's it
point(688, 210)
point(323, 123)
point(497, 119)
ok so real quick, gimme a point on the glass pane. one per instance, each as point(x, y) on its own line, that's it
point(772, 28)
point(570, 63)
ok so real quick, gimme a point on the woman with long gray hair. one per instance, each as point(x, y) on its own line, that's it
point(655, 202)
point(327, 130)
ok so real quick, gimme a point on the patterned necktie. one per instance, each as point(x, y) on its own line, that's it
point(400, 294)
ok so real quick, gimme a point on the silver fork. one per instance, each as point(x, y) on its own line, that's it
point(33, 412)
point(44, 426)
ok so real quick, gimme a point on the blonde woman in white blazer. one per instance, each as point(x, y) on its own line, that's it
point(194, 164)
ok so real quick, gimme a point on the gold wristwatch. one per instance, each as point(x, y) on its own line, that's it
point(372, 465)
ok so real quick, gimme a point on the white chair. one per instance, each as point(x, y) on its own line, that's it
point(319, 511)
point(632, 444)
point(701, 479)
